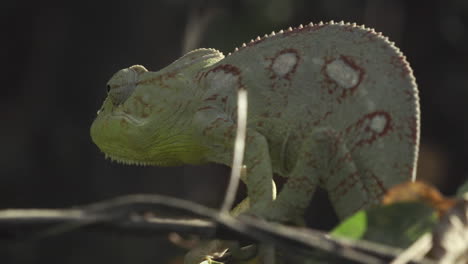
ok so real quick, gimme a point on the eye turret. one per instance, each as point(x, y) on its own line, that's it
point(123, 83)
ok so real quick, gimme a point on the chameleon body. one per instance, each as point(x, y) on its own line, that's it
point(330, 105)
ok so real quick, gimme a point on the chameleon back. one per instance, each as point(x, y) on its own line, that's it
point(338, 76)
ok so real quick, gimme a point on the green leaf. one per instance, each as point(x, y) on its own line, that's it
point(397, 225)
point(462, 190)
point(353, 227)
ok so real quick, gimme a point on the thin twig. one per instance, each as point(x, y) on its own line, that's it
point(159, 214)
point(239, 146)
point(416, 251)
point(123, 214)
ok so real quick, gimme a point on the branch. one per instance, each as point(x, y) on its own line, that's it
point(146, 214)
point(151, 214)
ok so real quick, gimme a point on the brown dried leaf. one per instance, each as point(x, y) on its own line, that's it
point(419, 192)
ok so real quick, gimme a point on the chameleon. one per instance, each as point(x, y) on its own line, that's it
point(330, 105)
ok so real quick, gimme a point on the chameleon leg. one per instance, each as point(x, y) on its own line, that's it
point(300, 186)
point(349, 181)
point(244, 205)
point(325, 161)
point(259, 180)
point(346, 188)
point(218, 133)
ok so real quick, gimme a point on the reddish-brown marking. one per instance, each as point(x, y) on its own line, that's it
point(413, 126)
point(400, 63)
point(123, 123)
point(328, 80)
point(254, 163)
point(249, 138)
point(333, 148)
point(311, 160)
point(410, 96)
point(159, 79)
point(199, 75)
point(289, 74)
point(226, 68)
point(349, 28)
point(362, 206)
point(229, 133)
point(141, 101)
point(308, 154)
point(170, 75)
point(329, 84)
point(144, 109)
point(136, 104)
point(379, 183)
point(371, 35)
point(365, 188)
point(224, 99)
point(213, 97)
point(345, 185)
point(374, 135)
point(318, 121)
point(204, 108)
point(346, 158)
point(302, 184)
point(214, 124)
point(404, 169)
point(410, 169)
point(220, 119)
point(355, 67)
point(260, 123)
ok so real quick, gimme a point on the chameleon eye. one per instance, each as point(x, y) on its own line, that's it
point(122, 85)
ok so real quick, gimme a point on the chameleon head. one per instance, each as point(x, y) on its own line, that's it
point(137, 124)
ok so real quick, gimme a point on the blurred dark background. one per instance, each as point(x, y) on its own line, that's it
point(57, 60)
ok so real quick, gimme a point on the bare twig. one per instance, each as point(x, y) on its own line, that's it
point(127, 214)
point(239, 146)
point(416, 251)
point(295, 239)
point(160, 214)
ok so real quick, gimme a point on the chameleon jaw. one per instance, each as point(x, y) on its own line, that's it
point(142, 163)
point(126, 161)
